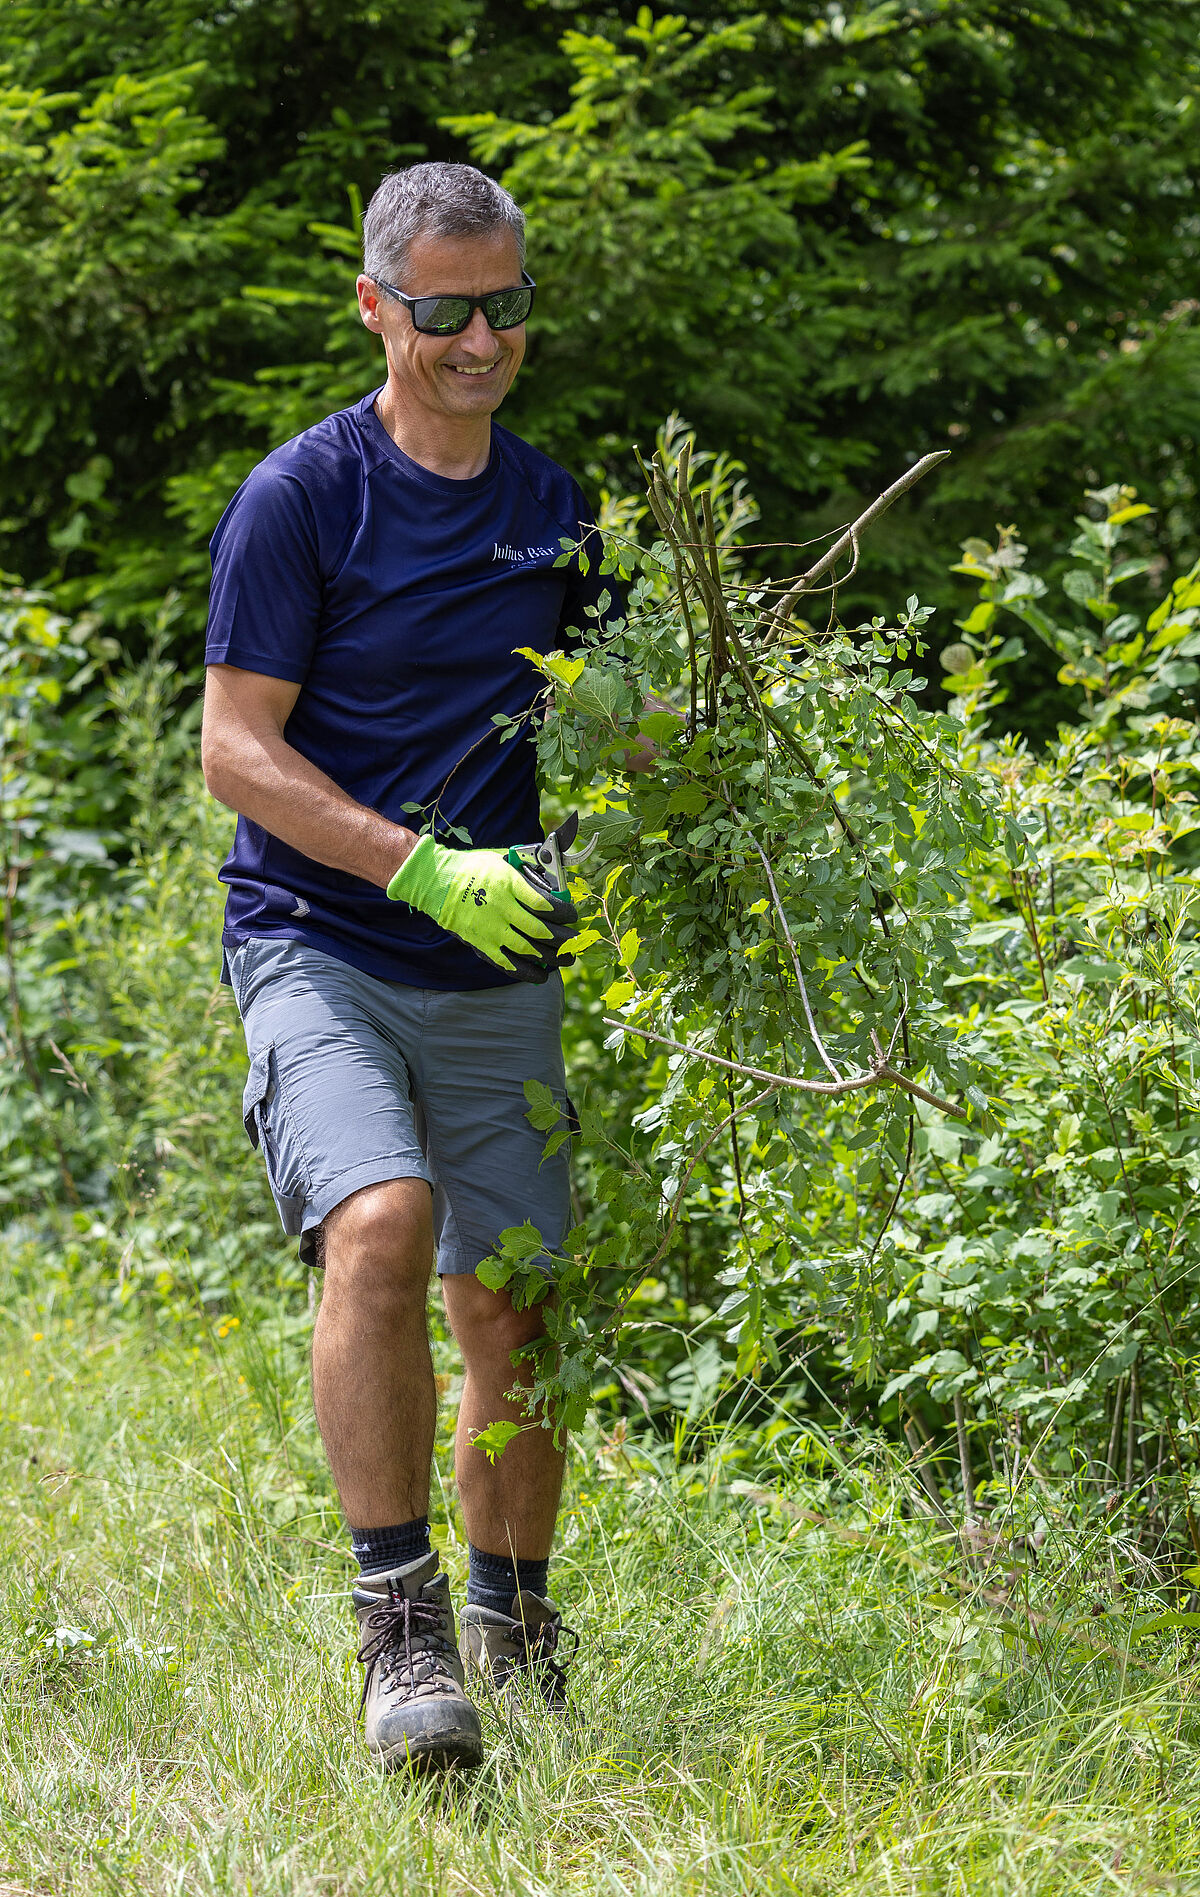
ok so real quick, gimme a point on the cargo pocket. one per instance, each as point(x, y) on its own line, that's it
point(270, 1128)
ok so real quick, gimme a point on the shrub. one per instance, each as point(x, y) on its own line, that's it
point(952, 986)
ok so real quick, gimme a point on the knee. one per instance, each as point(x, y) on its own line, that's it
point(379, 1242)
point(485, 1324)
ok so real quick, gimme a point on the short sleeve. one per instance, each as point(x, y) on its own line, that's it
point(585, 590)
point(265, 602)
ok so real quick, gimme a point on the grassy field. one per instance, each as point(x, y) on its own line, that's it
point(765, 1702)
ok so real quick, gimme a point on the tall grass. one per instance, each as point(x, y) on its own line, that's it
point(789, 1678)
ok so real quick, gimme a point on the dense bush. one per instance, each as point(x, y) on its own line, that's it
point(822, 877)
point(118, 1105)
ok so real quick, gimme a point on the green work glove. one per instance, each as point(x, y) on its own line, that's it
point(480, 897)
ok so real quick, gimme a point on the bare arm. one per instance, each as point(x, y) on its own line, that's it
point(641, 757)
point(249, 765)
point(643, 754)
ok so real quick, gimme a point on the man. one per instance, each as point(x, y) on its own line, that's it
point(371, 581)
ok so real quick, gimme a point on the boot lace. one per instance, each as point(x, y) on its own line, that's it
point(537, 1655)
point(395, 1625)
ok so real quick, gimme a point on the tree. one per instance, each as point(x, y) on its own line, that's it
point(154, 160)
point(987, 258)
point(832, 236)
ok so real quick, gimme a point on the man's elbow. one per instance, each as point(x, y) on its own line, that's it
point(216, 765)
point(641, 757)
point(643, 754)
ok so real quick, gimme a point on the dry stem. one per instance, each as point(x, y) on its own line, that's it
point(779, 615)
point(818, 1043)
point(882, 1074)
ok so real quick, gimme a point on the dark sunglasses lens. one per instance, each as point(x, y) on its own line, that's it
point(441, 315)
point(507, 308)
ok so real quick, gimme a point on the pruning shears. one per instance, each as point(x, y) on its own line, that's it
point(545, 865)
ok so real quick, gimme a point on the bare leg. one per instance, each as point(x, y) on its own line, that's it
point(373, 1384)
point(510, 1507)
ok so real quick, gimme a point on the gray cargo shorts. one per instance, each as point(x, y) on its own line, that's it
point(354, 1080)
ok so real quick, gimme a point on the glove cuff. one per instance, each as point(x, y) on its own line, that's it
point(417, 880)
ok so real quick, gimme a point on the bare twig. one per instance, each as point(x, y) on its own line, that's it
point(880, 1075)
point(747, 1106)
point(710, 588)
point(817, 1042)
point(681, 591)
point(733, 1143)
point(901, 1182)
point(675, 509)
point(1110, 1460)
point(1131, 1428)
point(783, 612)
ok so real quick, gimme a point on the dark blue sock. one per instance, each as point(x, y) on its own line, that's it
point(493, 1580)
point(381, 1548)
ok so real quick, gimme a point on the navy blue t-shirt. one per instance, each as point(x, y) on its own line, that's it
point(394, 598)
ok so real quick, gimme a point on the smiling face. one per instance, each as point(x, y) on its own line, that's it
point(461, 378)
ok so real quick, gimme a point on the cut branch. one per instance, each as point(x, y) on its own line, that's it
point(780, 615)
point(817, 1042)
point(882, 1074)
point(730, 1120)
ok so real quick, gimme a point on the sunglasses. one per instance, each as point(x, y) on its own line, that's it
point(449, 315)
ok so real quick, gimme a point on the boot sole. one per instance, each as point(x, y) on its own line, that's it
point(436, 1757)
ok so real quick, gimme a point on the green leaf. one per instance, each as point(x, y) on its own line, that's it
point(652, 805)
point(597, 693)
point(1109, 1206)
point(544, 1110)
point(566, 671)
point(689, 800)
point(618, 993)
point(1161, 1623)
point(1083, 968)
point(494, 1440)
point(1128, 570)
point(612, 829)
point(660, 726)
point(520, 1244)
point(979, 618)
point(1184, 594)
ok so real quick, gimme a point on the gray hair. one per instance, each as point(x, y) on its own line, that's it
point(433, 201)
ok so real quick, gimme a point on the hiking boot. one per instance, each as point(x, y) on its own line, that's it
point(416, 1710)
point(517, 1652)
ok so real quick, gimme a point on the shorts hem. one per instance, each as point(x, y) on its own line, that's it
point(372, 1172)
point(458, 1266)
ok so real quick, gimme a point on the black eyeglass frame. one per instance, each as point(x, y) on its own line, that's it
point(413, 304)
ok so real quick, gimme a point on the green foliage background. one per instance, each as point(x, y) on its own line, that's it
point(831, 236)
